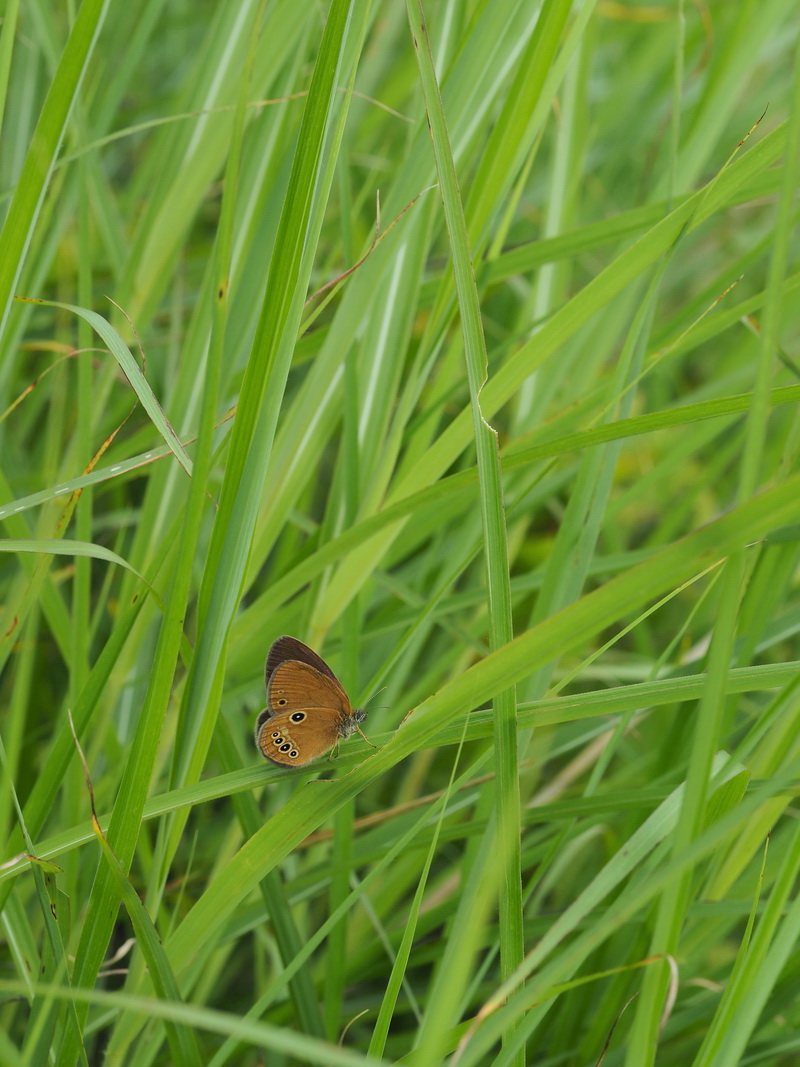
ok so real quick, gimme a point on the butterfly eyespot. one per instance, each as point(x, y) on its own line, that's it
point(298, 716)
point(276, 734)
point(282, 701)
point(294, 753)
point(285, 747)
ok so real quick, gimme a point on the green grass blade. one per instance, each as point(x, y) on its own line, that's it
point(41, 156)
point(494, 527)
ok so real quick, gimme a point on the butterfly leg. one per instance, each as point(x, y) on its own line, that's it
point(365, 737)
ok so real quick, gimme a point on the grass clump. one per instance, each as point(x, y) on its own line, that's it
point(457, 340)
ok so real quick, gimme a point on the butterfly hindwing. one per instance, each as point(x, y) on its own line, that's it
point(291, 741)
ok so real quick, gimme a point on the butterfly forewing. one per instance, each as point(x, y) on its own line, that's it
point(298, 685)
point(290, 648)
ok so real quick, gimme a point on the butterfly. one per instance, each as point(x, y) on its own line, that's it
point(307, 712)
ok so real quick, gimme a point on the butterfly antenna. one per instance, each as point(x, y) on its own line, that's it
point(374, 695)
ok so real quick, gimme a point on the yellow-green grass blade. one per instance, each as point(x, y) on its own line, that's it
point(41, 156)
point(504, 855)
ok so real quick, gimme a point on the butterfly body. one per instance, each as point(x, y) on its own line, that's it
point(308, 712)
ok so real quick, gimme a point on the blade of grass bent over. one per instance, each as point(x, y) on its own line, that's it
point(131, 370)
point(287, 1043)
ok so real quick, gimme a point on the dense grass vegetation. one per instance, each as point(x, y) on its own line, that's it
point(460, 341)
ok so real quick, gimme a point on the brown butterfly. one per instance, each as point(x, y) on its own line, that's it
point(307, 712)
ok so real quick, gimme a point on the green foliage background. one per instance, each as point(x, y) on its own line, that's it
point(458, 339)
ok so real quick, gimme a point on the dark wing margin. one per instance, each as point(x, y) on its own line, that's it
point(290, 648)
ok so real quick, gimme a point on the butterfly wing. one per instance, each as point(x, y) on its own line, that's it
point(294, 738)
point(307, 708)
point(296, 685)
point(290, 648)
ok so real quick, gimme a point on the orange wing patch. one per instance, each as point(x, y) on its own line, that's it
point(296, 685)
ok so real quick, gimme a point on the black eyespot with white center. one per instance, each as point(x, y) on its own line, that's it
point(294, 753)
point(285, 747)
point(298, 716)
point(275, 733)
